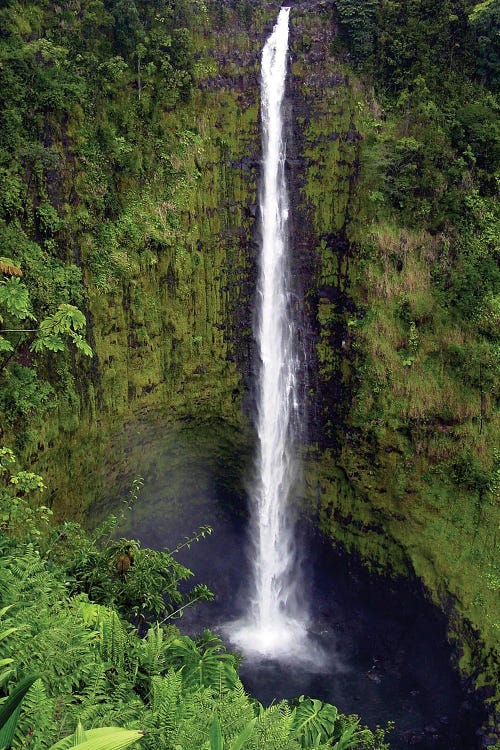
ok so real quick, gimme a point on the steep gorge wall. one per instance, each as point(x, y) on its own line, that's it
point(171, 331)
point(390, 421)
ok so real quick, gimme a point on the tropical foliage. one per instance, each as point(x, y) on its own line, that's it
point(422, 321)
point(70, 661)
point(430, 276)
point(92, 172)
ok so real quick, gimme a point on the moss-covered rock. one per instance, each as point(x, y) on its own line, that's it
point(401, 464)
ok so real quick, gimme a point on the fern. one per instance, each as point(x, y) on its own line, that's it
point(6, 663)
point(274, 729)
point(203, 665)
point(112, 636)
point(71, 651)
point(217, 741)
point(129, 713)
point(197, 715)
point(166, 700)
point(244, 736)
point(36, 721)
point(152, 652)
point(96, 688)
point(235, 712)
point(96, 669)
point(27, 569)
point(123, 692)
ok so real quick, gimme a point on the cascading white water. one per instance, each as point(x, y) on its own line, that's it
point(274, 624)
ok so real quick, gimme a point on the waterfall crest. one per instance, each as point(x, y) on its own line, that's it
point(274, 622)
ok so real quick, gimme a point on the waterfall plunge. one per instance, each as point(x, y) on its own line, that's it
point(274, 625)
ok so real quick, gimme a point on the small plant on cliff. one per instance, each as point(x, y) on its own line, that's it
point(24, 395)
point(19, 515)
point(66, 323)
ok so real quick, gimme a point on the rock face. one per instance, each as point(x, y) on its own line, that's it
point(374, 474)
point(171, 333)
point(173, 340)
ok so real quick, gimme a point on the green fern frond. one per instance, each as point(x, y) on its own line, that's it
point(37, 717)
point(112, 636)
point(153, 648)
point(274, 728)
point(234, 710)
point(96, 684)
point(203, 664)
point(166, 693)
point(198, 710)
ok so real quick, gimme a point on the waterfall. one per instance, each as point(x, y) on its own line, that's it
point(274, 622)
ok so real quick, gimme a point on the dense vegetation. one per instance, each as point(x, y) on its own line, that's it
point(406, 299)
point(88, 621)
point(404, 468)
point(430, 164)
point(92, 174)
point(424, 331)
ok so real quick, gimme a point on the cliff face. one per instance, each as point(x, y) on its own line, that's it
point(399, 446)
point(166, 275)
point(399, 461)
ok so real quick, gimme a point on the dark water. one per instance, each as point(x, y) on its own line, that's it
point(385, 651)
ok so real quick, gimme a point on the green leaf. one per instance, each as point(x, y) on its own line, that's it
point(479, 9)
point(104, 738)
point(15, 298)
point(48, 341)
point(345, 742)
point(216, 742)
point(27, 481)
point(203, 664)
point(312, 720)
point(67, 317)
point(5, 346)
point(9, 711)
point(4, 676)
point(80, 735)
point(66, 321)
point(6, 633)
point(82, 345)
point(243, 736)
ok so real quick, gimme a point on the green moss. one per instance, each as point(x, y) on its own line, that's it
point(405, 474)
point(160, 242)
